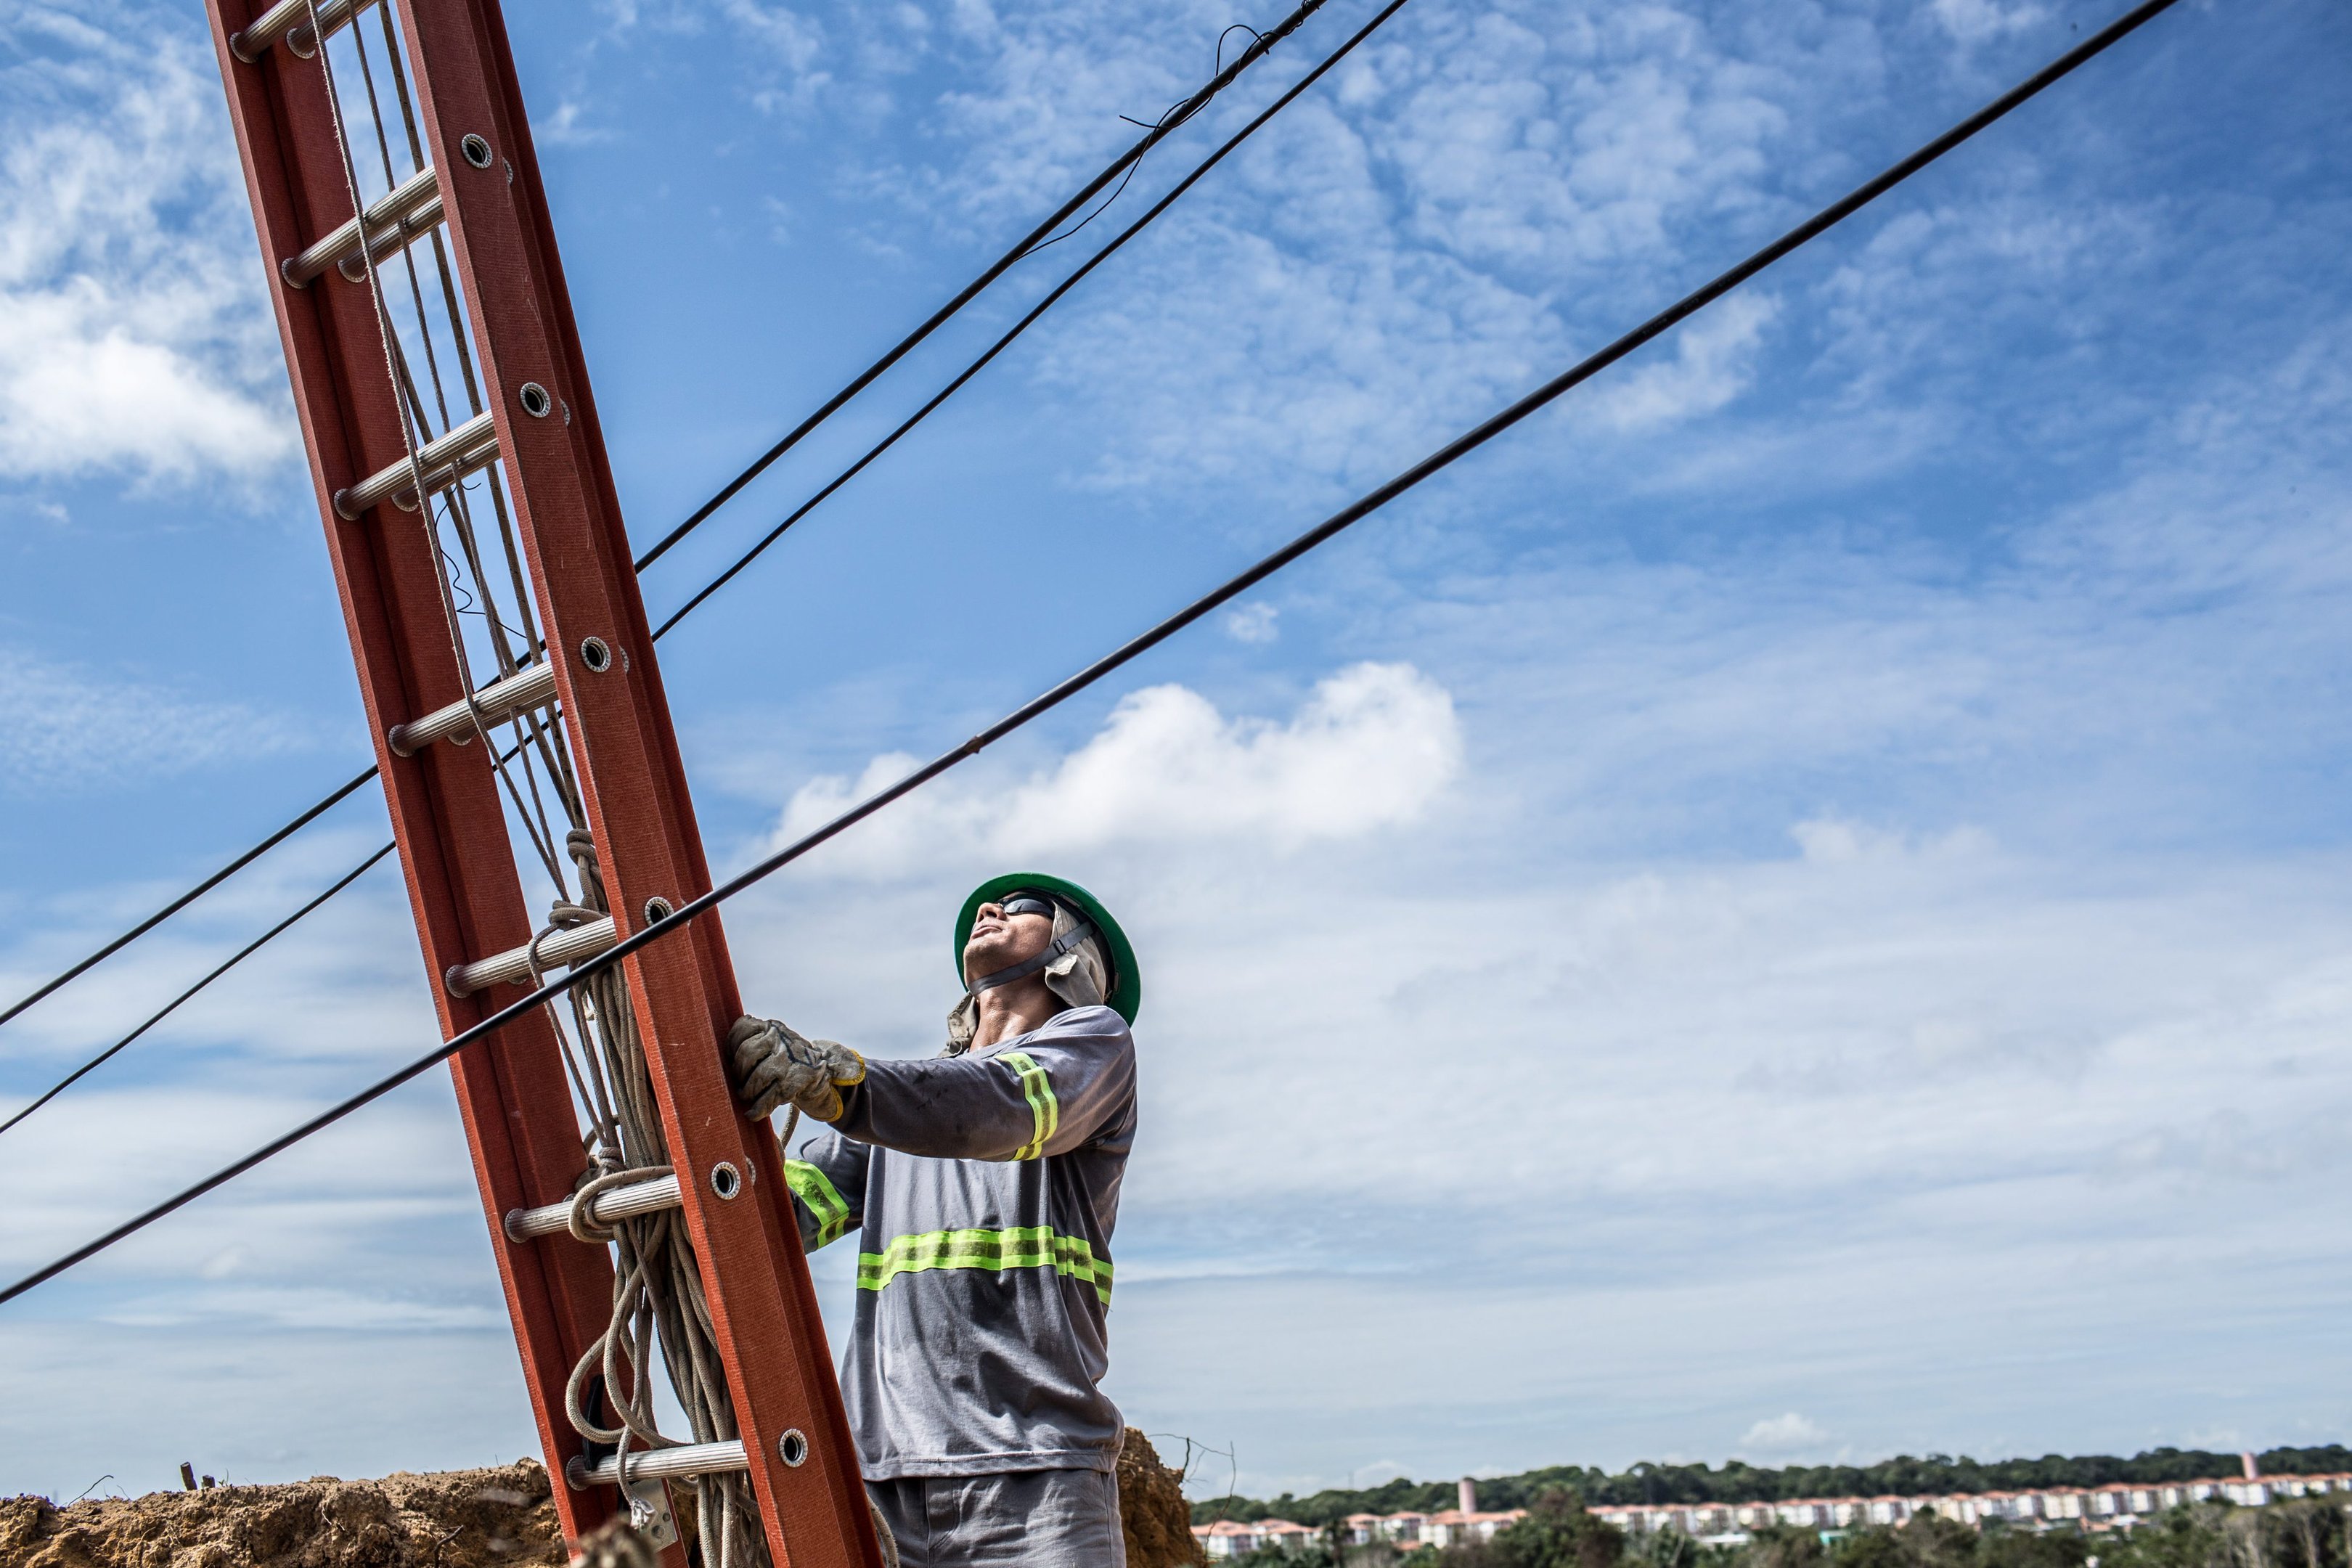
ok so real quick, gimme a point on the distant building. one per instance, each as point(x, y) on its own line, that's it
point(1459, 1527)
point(2118, 1506)
point(1230, 1538)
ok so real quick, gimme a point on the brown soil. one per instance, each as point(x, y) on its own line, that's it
point(499, 1518)
point(461, 1518)
point(1152, 1509)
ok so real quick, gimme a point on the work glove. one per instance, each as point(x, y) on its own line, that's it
point(776, 1066)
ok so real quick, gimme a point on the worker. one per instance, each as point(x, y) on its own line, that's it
point(984, 1185)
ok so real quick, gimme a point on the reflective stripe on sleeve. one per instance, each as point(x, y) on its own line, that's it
point(1042, 1106)
point(815, 1189)
point(995, 1251)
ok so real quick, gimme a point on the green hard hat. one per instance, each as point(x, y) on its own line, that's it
point(1126, 984)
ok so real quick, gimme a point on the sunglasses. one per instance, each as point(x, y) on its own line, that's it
point(1025, 904)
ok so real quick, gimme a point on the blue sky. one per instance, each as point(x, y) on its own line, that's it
point(1795, 906)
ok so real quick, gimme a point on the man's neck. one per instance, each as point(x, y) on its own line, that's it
point(1015, 1009)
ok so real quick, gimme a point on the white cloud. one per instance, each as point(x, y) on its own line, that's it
point(1781, 1435)
point(1713, 360)
point(132, 331)
point(1252, 623)
point(1973, 22)
point(1371, 748)
point(69, 728)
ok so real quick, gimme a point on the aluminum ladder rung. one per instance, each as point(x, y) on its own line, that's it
point(614, 1203)
point(288, 21)
point(494, 704)
point(564, 949)
point(393, 220)
point(685, 1459)
point(467, 449)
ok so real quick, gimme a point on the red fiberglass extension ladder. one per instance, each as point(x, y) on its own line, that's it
point(471, 518)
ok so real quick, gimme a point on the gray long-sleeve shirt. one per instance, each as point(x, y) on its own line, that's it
point(983, 1188)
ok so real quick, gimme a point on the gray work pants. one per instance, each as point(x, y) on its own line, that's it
point(1037, 1519)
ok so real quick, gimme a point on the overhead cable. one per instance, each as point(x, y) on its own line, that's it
point(1688, 305)
point(1034, 240)
point(247, 950)
point(1029, 243)
point(1022, 325)
point(190, 897)
point(712, 586)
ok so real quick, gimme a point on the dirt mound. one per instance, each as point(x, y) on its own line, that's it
point(1152, 1509)
point(499, 1518)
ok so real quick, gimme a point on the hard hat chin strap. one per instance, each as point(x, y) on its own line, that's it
point(1065, 942)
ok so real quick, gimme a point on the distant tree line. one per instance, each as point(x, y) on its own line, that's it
point(1936, 1475)
point(1557, 1533)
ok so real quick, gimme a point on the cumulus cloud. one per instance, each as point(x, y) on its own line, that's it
point(1780, 1435)
point(133, 333)
point(1372, 747)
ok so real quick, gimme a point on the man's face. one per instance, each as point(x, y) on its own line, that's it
point(1001, 939)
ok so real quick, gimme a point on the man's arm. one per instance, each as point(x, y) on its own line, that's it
point(1047, 1094)
point(828, 1183)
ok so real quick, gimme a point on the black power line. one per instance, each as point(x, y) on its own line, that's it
point(255, 946)
point(190, 897)
point(1029, 243)
point(1034, 240)
point(1022, 325)
point(1665, 320)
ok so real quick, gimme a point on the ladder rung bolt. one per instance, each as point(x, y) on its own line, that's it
point(534, 400)
point(476, 150)
point(595, 655)
point(792, 1448)
point(726, 1180)
point(657, 909)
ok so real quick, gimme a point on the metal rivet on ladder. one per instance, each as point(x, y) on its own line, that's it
point(534, 400)
point(792, 1448)
point(595, 655)
point(657, 909)
point(726, 1181)
point(477, 151)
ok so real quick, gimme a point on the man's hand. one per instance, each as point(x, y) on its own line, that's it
point(776, 1066)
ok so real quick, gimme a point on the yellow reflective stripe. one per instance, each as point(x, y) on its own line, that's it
point(825, 1201)
point(1042, 1106)
point(1023, 1246)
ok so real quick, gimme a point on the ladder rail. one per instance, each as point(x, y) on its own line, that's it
point(770, 1334)
point(559, 1299)
point(538, 430)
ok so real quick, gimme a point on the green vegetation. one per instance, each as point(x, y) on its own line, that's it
point(1936, 1475)
point(1559, 1534)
